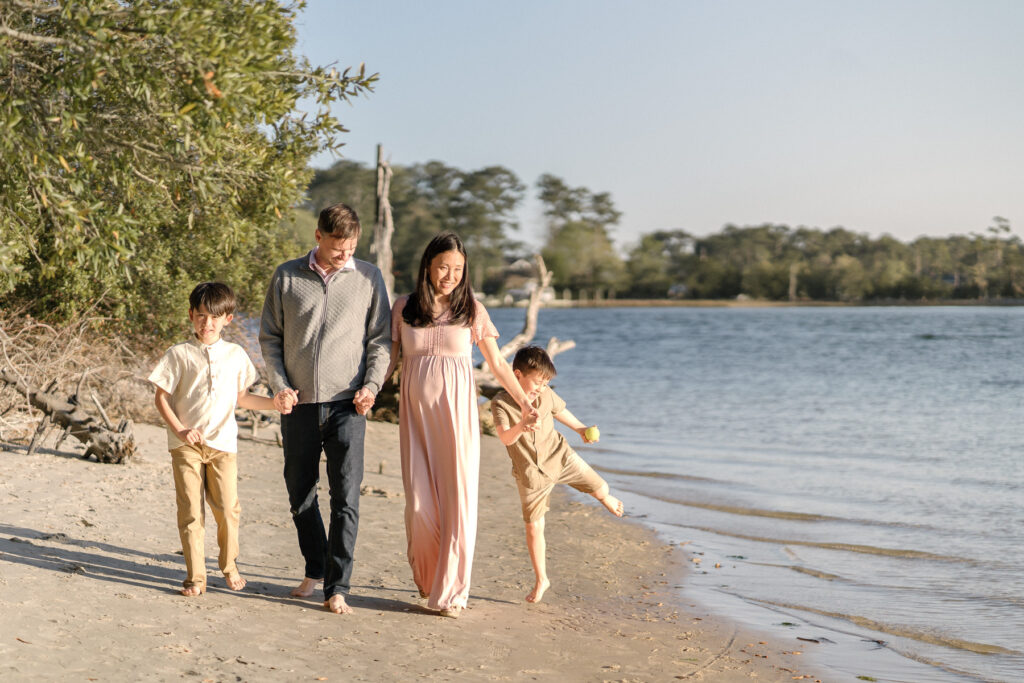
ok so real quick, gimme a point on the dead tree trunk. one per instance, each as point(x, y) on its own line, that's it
point(107, 443)
point(384, 228)
point(532, 309)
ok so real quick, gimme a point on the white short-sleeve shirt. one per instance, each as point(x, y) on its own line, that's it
point(204, 383)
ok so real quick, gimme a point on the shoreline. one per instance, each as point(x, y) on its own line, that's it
point(753, 303)
point(90, 565)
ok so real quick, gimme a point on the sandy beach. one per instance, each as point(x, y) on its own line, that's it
point(90, 566)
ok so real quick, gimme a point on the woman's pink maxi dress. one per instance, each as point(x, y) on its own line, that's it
point(439, 432)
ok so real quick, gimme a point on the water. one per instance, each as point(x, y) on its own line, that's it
point(856, 471)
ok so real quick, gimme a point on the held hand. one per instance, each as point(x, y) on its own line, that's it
point(530, 420)
point(526, 427)
point(589, 434)
point(363, 400)
point(285, 400)
point(190, 436)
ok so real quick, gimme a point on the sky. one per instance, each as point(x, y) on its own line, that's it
point(899, 117)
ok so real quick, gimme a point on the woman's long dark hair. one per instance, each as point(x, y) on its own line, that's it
point(419, 309)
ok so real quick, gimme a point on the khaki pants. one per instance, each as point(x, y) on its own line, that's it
point(203, 472)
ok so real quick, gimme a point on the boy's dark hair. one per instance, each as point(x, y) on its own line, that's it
point(217, 297)
point(534, 359)
point(340, 220)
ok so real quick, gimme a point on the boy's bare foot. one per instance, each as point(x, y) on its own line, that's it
point(192, 591)
point(306, 588)
point(538, 591)
point(234, 582)
point(613, 504)
point(336, 603)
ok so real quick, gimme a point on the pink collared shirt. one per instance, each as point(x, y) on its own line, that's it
point(349, 265)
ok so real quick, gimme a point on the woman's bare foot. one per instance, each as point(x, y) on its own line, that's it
point(613, 504)
point(234, 581)
point(451, 612)
point(193, 591)
point(336, 603)
point(538, 591)
point(424, 594)
point(306, 588)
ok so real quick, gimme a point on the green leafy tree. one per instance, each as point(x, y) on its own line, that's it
point(660, 260)
point(151, 144)
point(427, 199)
point(579, 249)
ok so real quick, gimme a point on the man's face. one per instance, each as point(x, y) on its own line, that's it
point(334, 252)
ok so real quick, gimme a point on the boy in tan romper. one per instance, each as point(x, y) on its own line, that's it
point(198, 384)
point(541, 457)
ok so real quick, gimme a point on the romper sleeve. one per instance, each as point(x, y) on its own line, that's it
point(557, 404)
point(501, 411)
point(167, 372)
point(396, 318)
point(482, 325)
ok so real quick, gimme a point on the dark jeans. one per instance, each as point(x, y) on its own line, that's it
point(337, 430)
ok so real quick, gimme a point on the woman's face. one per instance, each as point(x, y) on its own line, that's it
point(446, 271)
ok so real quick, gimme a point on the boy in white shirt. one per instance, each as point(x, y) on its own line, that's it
point(198, 384)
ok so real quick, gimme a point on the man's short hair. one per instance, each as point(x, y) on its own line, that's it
point(339, 220)
point(216, 297)
point(534, 359)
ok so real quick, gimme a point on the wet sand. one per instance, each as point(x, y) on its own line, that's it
point(90, 568)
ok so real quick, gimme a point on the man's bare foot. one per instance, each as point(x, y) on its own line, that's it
point(234, 582)
point(306, 588)
point(193, 591)
point(336, 603)
point(538, 591)
point(613, 504)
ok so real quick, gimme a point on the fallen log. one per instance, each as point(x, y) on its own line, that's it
point(106, 443)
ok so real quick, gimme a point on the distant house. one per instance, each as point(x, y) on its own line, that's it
point(677, 291)
point(518, 280)
point(516, 294)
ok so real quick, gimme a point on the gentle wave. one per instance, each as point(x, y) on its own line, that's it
point(653, 475)
point(816, 573)
point(848, 547)
point(900, 630)
point(759, 512)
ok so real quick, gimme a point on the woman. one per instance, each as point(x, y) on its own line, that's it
point(433, 330)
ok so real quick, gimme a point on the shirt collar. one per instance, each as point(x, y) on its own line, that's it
point(349, 265)
point(215, 346)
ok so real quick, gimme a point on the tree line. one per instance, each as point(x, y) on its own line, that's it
point(768, 262)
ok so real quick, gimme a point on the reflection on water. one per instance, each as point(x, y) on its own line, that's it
point(856, 466)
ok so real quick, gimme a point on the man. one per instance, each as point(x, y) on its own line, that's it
point(325, 336)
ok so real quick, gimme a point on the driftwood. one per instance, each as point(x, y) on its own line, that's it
point(254, 421)
point(104, 441)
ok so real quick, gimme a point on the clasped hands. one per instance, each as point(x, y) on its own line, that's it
point(530, 420)
point(286, 399)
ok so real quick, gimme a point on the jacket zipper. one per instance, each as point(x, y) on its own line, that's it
point(319, 343)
